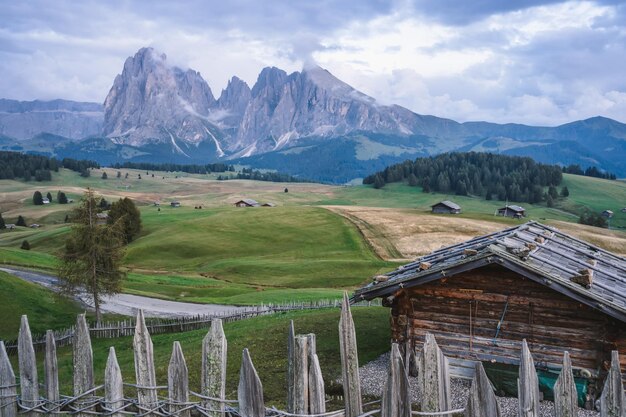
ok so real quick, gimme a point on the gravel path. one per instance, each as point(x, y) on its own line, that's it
point(374, 375)
point(127, 304)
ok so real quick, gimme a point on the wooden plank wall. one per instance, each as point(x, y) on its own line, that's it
point(550, 321)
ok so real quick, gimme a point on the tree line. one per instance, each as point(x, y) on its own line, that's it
point(487, 175)
point(271, 176)
point(27, 167)
point(589, 172)
point(190, 169)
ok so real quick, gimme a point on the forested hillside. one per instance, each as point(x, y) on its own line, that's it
point(483, 174)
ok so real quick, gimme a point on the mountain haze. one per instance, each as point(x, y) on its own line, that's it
point(306, 123)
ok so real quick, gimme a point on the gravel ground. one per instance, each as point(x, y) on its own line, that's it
point(374, 375)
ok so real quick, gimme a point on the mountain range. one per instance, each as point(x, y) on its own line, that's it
point(306, 123)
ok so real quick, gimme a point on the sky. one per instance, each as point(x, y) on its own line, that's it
point(506, 61)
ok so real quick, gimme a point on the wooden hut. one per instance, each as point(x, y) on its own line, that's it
point(247, 202)
point(512, 211)
point(446, 207)
point(175, 203)
point(482, 297)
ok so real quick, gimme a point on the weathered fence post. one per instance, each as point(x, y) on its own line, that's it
point(396, 400)
point(214, 353)
point(434, 377)
point(51, 373)
point(250, 390)
point(481, 401)
point(144, 366)
point(83, 361)
point(349, 361)
point(291, 335)
point(8, 388)
point(113, 384)
point(301, 375)
point(565, 396)
point(527, 385)
point(29, 382)
point(178, 383)
point(612, 401)
point(317, 394)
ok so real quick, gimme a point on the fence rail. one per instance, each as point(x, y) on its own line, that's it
point(115, 329)
point(306, 394)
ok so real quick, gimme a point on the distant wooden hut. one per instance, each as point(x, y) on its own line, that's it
point(512, 211)
point(446, 207)
point(9, 226)
point(482, 297)
point(101, 218)
point(607, 213)
point(268, 205)
point(247, 202)
point(175, 204)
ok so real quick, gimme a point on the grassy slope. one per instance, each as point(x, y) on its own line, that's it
point(257, 335)
point(45, 309)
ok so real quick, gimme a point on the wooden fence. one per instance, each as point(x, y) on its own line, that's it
point(305, 396)
point(110, 330)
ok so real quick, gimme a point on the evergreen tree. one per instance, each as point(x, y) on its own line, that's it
point(552, 192)
point(119, 174)
point(564, 192)
point(379, 182)
point(2, 223)
point(25, 245)
point(61, 197)
point(85, 173)
point(49, 197)
point(104, 176)
point(413, 182)
point(93, 254)
point(126, 176)
point(104, 204)
point(20, 221)
point(549, 201)
point(37, 198)
point(128, 216)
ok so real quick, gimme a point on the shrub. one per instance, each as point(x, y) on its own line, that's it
point(25, 245)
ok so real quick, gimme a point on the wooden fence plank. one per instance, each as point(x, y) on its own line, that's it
point(434, 377)
point(317, 393)
point(113, 384)
point(51, 371)
point(291, 335)
point(481, 401)
point(8, 388)
point(565, 396)
point(349, 361)
point(214, 354)
point(29, 382)
point(612, 401)
point(178, 382)
point(144, 365)
point(301, 375)
point(396, 400)
point(250, 390)
point(83, 362)
point(527, 385)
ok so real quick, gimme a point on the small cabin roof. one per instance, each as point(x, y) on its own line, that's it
point(102, 215)
point(248, 201)
point(449, 204)
point(539, 252)
point(268, 204)
point(513, 207)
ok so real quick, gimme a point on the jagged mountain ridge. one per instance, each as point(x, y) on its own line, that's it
point(155, 111)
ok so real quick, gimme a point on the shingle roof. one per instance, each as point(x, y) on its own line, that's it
point(250, 201)
point(539, 252)
point(514, 207)
point(448, 203)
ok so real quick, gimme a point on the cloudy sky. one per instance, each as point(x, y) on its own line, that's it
point(535, 62)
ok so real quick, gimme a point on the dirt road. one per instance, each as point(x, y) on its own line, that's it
point(127, 304)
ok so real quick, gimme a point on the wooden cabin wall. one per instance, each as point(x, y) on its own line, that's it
point(548, 320)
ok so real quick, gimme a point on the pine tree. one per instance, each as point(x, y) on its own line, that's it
point(128, 216)
point(49, 197)
point(61, 197)
point(25, 245)
point(20, 221)
point(104, 176)
point(2, 223)
point(93, 254)
point(37, 198)
point(564, 192)
point(119, 174)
